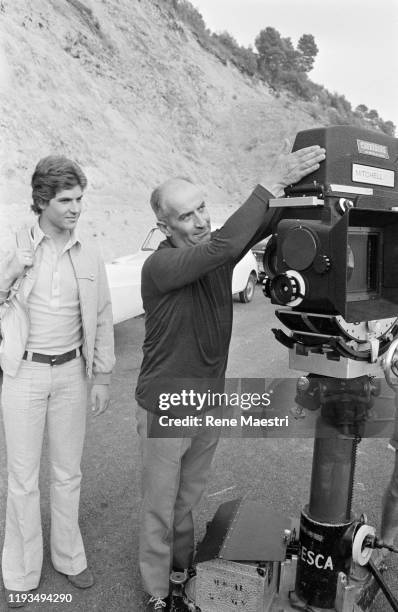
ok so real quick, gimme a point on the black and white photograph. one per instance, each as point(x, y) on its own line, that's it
point(199, 305)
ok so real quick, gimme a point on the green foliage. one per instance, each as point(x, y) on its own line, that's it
point(271, 52)
point(296, 82)
point(282, 66)
point(388, 127)
point(189, 14)
point(335, 118)
point(307, 52)
point(370, 118)
point(313, 110)
point(247, 60)
point(341, 104)
point(372, 114)
point(276, 55)
point(361, 109)
point(223, 45)
point(242, 57)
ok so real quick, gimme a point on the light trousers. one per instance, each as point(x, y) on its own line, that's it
point(57, 395)
point(175, 473)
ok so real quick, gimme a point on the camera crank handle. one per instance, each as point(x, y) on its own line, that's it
point(377, 543)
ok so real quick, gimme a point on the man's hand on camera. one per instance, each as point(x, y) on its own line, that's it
point(289, 168)
point(15, 263)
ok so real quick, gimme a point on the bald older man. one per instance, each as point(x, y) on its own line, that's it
point(186, 291)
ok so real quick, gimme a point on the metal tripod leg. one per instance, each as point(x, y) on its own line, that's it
point(380, 581)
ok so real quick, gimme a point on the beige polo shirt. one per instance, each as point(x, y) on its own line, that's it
point(54, 307)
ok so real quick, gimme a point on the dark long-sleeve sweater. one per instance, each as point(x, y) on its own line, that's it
point(187, 299)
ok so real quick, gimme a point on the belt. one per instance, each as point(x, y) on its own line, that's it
point(52, 359)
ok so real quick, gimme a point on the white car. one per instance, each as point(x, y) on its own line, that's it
point(124, 277)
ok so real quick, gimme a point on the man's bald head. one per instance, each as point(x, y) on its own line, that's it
point(165, 193)
point(181, 212)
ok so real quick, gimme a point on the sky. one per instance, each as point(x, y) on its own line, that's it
point(357, 41)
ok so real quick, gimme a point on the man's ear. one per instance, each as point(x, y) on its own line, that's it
point(162, 225)
point(42, 204)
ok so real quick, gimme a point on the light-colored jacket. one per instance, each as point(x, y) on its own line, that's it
point(95, 306)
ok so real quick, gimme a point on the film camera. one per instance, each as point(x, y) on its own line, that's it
point(333, 256)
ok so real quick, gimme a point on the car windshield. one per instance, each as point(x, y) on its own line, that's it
point(153, 240)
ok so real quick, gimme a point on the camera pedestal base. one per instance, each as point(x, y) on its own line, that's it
point(217, 588)
point(253, 560)
point(225, 586)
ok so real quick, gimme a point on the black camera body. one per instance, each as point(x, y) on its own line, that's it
point(332, 260)
point(334, 248)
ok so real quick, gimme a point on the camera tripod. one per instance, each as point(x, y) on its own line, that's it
point(334, 565)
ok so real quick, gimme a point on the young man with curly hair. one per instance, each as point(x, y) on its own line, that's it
point(57, 328)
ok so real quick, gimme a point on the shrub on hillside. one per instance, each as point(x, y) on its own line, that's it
point(277, 62)
point(296, 82)
point(335, 118)
point(313, 110)
point(189, 15)
point(388, 127)
point(243, 57)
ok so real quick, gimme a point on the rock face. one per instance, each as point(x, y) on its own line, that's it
point(125, 89)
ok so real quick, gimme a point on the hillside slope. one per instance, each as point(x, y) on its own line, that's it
point(126, 90)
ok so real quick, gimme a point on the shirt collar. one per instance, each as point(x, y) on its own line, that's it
point(38, 236)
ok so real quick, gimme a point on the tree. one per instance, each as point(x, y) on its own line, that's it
point(190, 15)
point(248, 60)
point(307, 52)
point(242, 57)
point(227, 40)
point(372, 114)
point(296, 82)
point(362, 109)
point(388, 128)
point(291, 56)
point(271, 54)
point(276, 55)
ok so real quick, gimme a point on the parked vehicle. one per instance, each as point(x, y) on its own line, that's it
point(258, 252)
point(124, 277)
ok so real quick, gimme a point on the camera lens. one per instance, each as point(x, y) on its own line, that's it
point(299, 248)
